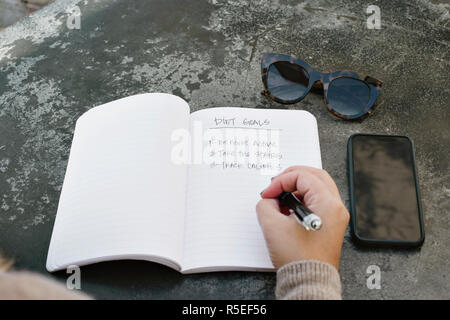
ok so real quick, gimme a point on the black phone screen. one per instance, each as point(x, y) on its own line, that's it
point(386, 202)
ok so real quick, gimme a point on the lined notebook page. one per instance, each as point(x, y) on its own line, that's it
point(117, 199)
point(243, 149)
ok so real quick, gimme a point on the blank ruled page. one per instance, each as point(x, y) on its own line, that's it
point(238, 152)
point(122, 195)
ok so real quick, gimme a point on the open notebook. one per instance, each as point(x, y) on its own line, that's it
point(133, 191)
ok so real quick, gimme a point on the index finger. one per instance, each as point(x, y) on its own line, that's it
point(300, 180)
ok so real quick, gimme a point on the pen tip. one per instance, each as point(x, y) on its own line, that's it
point(316, 224)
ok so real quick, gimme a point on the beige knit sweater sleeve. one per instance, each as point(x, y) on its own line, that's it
point(308, 280)
point(23, 285)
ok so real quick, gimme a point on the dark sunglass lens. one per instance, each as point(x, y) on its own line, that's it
point(348, 96)
point(287, 81)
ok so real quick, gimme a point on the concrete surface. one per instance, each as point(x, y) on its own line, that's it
point(208, 52)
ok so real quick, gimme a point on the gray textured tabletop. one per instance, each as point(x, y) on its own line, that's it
point(208, 52)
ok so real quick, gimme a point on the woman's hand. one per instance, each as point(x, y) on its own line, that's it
point(286, 239)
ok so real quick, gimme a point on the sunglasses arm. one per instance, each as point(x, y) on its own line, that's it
point(373, 81)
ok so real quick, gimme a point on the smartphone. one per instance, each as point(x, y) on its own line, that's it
point(384, 193)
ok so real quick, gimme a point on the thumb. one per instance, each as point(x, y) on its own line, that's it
point(269, 214)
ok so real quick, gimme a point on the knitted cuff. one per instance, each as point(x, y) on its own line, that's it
point(308, 280)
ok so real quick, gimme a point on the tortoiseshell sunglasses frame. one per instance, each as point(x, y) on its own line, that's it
point(316, 79)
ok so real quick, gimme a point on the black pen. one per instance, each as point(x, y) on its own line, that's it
point(303, 215)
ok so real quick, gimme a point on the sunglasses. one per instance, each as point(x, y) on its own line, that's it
point(288, 80)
